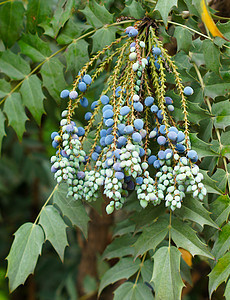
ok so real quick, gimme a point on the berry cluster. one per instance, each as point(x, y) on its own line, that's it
point(137, 145)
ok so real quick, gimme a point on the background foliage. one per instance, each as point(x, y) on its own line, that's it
point(43, 45)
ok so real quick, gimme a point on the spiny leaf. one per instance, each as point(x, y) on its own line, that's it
point(227, 290)
point(24, 253)
point(166, 273)
point(203, 149)
point(192, 209)
point(184, 38)
point(103, 37)
point(34, 47)
point(2, 128)
point(76, 55)
point(131, 291)
point(211, 56)
point(55, 229)
point(220, 209)
point(222, 178)
point(13, 65)
point(222, 243)
point(71, 208)
point(210, 184)
point(11, 22)
point(54, 84)
point(32, 96)
point(125, 268)
point(134, 9)
point(62, 14)
point(164, 7)
point(16, 114)
point(185, 237)
point(151, 237)
point(220, 273)
point(221, 110)
point(4, 88)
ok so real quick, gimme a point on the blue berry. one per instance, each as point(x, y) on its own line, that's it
point(55, 144)
point(88, 116)
point(81, 175)
point(109, 122)
point(161, 140)
point(180, 136)
point(138, 124)
point(117, 153)
point(149, 101)
point(69, 128)
point(154, 108)
point(94, 104)
point(104, 99)
point(133, 32)
point(161, 154)
point(156, 50)
point(136, 137)
point(109, 139)
point(128, 129)
point(84, 102)
point(124, 110)
point(117, 167)
point(162, 129)
point(64, 94)
point(82, 86)
point(108, 114)
point(53, 134)
point(151, 159)
point(121, 128)
point(172, 136)
point(159, 114)
point(73, 95)
point(168, 100)
point(192, 154)
point(95, 156)
point(127, 30)
point(180, 148)
point(87, 79)
point(173, 129)
point(142, 152)
point(122, 140)
point(170, 107)
point(81, 131)
point(102, 141)
point(98, 149)
point(103, 132)
point(188, 91)
point(138, 106)
point(156, 164)
point(119, 175)
point(106, 107)
point(139, 180)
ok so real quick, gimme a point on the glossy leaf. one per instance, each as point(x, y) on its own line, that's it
point(220, 209)
point(76, 55)
point(34, 47)
point(15, 112)
point(185, 237)
point(125, 268)
point(203, 149)
point(151, 236)
point(211, 56)
point(166, 273)
point(227, 290)
point(164, 7)
point(134, 9)
point(131, 291)
point(220, 273)
point(222, 243)
point(71, 208)
point(54, 84)
point(13, 65)
point(32, 96)
point(221, 110)
point(11, 22)
point(222, 178)
point(24, 253)
point(184, 38)
point(4, 88)
point(2, 128)
point(54, 228)
point(103, 37)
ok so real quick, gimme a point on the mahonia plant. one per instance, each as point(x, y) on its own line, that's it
point(137, 144)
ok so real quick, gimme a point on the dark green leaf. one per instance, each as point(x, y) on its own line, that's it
point(185, 272)
point(147, 271)
point(32, 96)
point(2, 128)
point(76, 55)
point(166, 273)
point(220, 209)
point(184, 38)
point(164, 7)
point(62, 13)
point(55, 229)
point(11, 22)
point(131, 291)
point(13, 65)
point(222, 244)
point(227, 290)
point(15, 113)
point(203, 149)
point(217, 89)
point(211, 56)
point(225, 144)
point(71, 208)
point(186, 238)
point(97, 15)
point(103, 37)
point(210, 184)
point(24, 253)
point(34, 47)
point(125, 268)
point(220, 273)
point(54, 84)
point(192, 209)
point(134, 9)
point(120, 247)
point(221, 110)
point(123, 227)
point(222, 178)
point(4, 88)
point(151, 237)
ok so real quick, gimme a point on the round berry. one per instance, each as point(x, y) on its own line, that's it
point(149, 101)
point(84, 102)
point(188, 91)
point(170, 107)
point(124, 110)
point(128, 129)
point(104, 99)
point(136, 137)
point(161, 140)
point(192, 154)
point(82, 86)
point(109, 122)
point(53, 134)
point(133, 32)
point(172, 136)
point(108, 114)
point(180, 136)
point(88, 116)
point(151, 159)
point(154, 108)
point(64, 94)
point(138, 106)
point(87, 79)
point(168, 100)
point(81, 131)
point(156, 50)
point(132, 56)
point(138, 124)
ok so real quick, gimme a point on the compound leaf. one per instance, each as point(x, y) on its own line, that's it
point(76, 55)
point(164, 7)
point(131, 291)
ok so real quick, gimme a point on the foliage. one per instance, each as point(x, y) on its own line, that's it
point(43, 46)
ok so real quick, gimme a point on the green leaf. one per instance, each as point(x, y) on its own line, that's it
point(221, 110)
point(203, 149)
point(37, 12)
point(131, 291)
point(227, 290)
point(134, 9)
point(220, 273)
point(166, 273)
point(225, 144)
point(103, 37)
point(24, 253)
point(210, 184)
point(4, 88)
point(97, 15)
point(15, 113)
point(222, 178)
point(34, 47)
point(62, 13)
point(13, 65)
point(151, 236)
point(11, 22)
point(184, 38)
point(76, 55)
point(220, 209)
point(164, 7)
point(216, 89)
point(54, 84)
point(120, 247)
point(192, 209)
point(147, 271)
point(222, 243)
point(211, 56)
point(186, 238)
point(71, 208)
point(125, 268)
point(2, 128)
point(32, 96)
point(55, 229)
